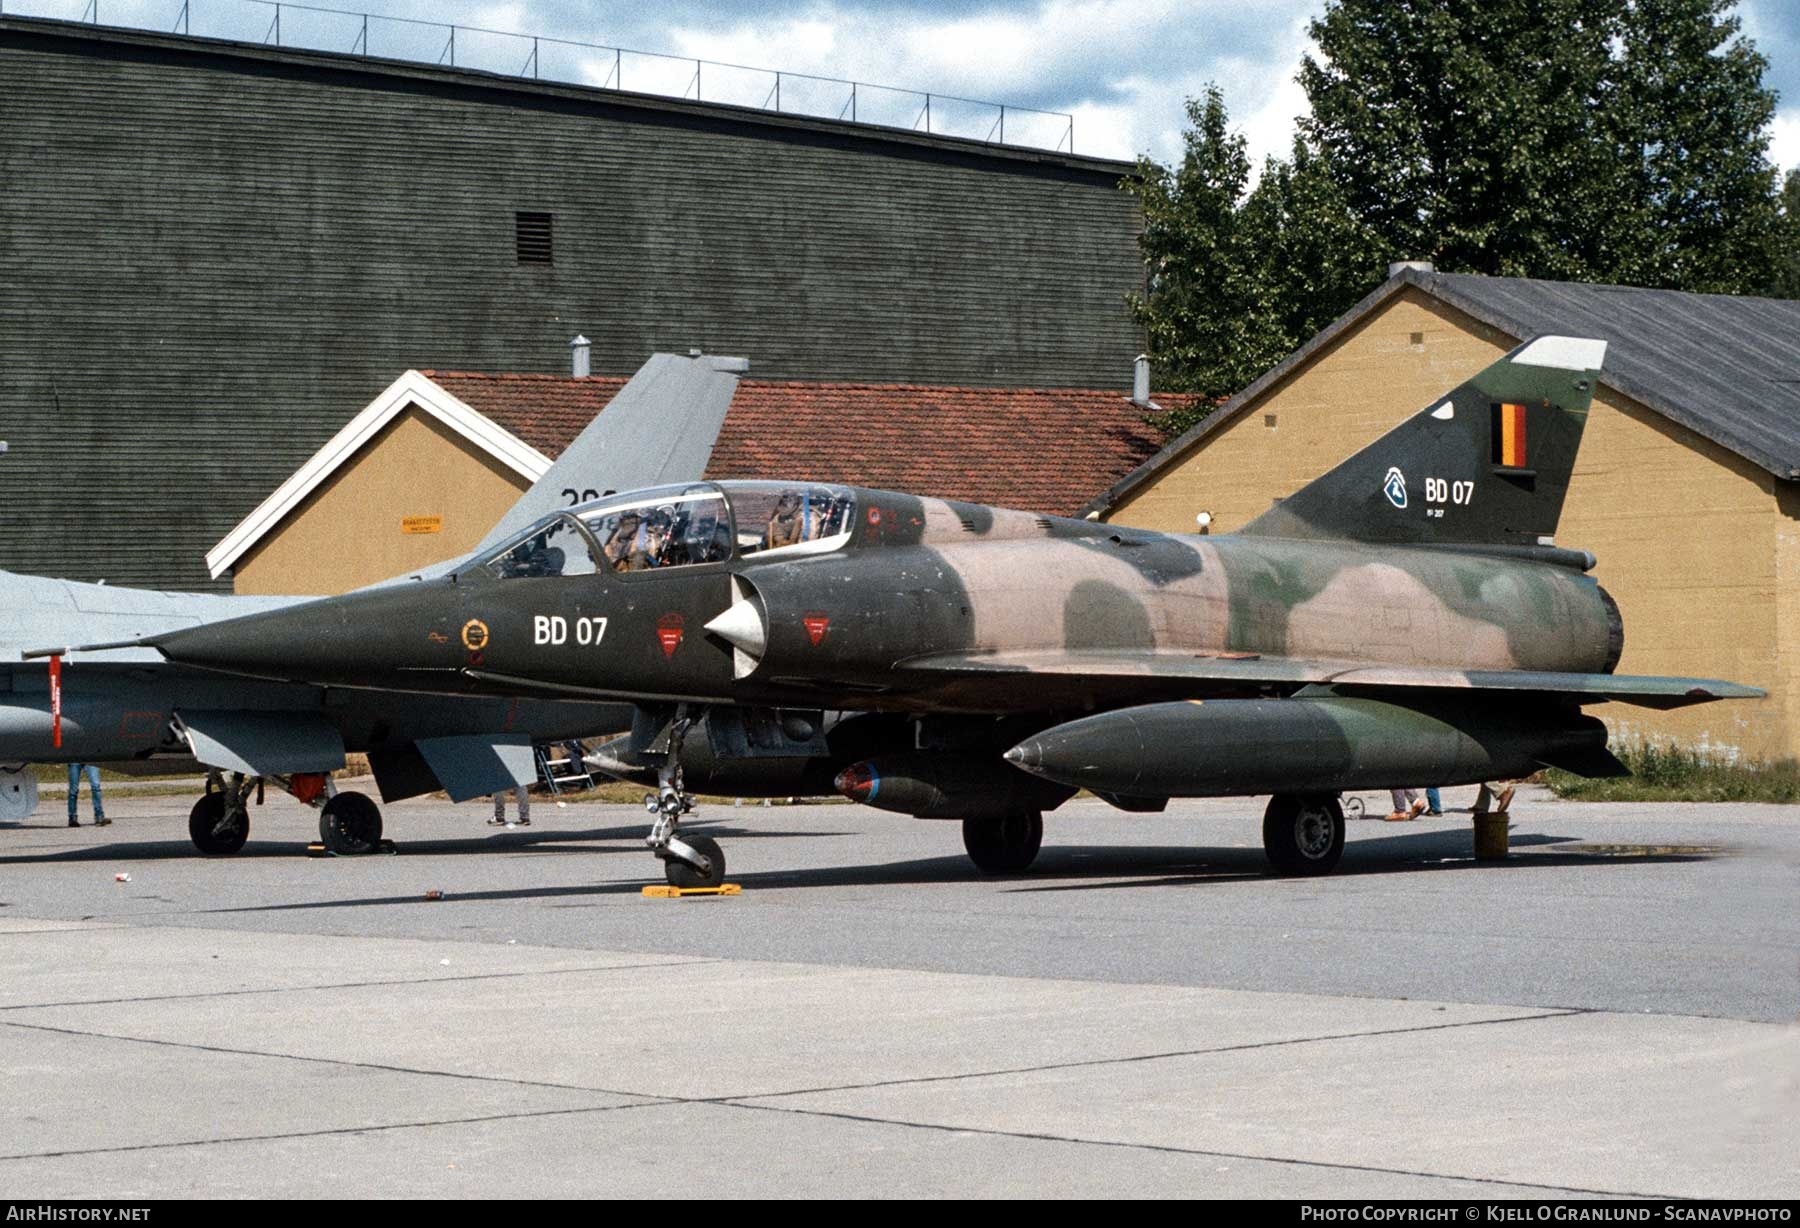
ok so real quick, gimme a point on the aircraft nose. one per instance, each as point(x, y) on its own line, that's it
point(1028, 755)
point(338, 639)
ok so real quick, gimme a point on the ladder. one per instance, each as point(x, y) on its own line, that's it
point(559, 769)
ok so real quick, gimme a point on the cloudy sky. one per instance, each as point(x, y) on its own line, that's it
point(1121, 67)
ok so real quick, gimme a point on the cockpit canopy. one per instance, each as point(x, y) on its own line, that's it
point(680, 526)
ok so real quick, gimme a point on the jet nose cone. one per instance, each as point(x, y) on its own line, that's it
point(1027, 755)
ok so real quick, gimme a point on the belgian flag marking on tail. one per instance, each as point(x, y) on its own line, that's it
point(1509, 436)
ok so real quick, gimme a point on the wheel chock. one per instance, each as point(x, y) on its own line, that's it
point(661, 892)
point(382, 848)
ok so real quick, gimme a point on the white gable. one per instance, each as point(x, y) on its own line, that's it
point(411, 388)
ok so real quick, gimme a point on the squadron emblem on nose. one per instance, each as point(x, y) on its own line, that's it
point(475, 635)
point(1394, 487)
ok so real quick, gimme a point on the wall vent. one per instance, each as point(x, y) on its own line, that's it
point(531, 238)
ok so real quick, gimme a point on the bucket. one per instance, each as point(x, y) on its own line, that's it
point(1490, 837)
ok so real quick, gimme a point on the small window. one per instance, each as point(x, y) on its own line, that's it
point(531, 238)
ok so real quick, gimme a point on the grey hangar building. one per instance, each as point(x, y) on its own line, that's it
point(211, 252)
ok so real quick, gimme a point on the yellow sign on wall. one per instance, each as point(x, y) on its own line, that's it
point(411, 525)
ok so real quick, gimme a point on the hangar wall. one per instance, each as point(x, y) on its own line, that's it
point(210, 252)
point(1696, 544)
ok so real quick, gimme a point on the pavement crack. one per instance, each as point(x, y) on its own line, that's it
point(384, 1067)
point(1131, 1058)
point(1171, 1149)
point(423, 980)
point(326, 1133)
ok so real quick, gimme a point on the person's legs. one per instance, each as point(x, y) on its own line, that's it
point(74, 792)
point(1434, 804)
point(1406, 804)
point(499, 809)
point(524, 805)
point(93, 776)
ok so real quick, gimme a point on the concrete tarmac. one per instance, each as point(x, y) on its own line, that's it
point(1611, 1012)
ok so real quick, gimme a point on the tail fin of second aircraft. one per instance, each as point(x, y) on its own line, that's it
point(1486, 465)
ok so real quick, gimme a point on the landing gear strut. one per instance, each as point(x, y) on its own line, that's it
point(1303, 833)
point(219, 823)
point(698, 862)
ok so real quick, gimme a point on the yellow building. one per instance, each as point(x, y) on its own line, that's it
point(1684, 489)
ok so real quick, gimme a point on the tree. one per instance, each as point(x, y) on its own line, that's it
point(1588, 140)
point(1203, 310)
point(1619, 141)
point(1786, 280)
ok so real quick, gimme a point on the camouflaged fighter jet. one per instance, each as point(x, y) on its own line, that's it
point(1404, 620)
point(127, 707)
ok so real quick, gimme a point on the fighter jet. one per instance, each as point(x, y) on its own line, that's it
point(128, 707)
point(1404, 620)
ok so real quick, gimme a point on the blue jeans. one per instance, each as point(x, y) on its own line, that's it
point(93, 779)
point(1433, 801)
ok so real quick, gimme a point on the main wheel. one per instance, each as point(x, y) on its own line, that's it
point(1303, 833)
point(204, 826)
point(350, 824)
point(681, 874)
point(1004, 846)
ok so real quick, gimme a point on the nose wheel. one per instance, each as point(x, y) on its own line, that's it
point(696, 862)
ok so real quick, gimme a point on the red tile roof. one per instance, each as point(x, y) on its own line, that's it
point(1038, 449)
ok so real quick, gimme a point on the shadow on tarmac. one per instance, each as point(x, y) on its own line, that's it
point(491, 840)
point(1077, 868)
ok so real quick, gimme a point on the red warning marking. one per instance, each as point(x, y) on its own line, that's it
point(56, 701)
point(668, 632)
point(874, 515)
point(816, 627)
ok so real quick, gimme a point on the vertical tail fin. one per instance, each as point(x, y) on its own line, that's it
point(1488, 464)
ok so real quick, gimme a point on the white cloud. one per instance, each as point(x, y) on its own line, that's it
point(1122, 67)
point(1784, 139)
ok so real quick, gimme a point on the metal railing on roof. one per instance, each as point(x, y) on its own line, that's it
point(315, 27)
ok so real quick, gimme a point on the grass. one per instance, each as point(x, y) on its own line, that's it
point(1675, 774)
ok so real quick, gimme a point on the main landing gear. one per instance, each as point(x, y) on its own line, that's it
point(219, 823)
point(1303, 833)
point(694, 862)
point(1006, 845)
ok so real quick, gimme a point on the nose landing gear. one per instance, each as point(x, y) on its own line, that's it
point(695, 862)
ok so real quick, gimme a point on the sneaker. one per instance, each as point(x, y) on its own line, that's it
point(74, 822)
point(1434, 814)
point(1504, 800)
point(1400, 816)
point(101, 820)
point(1416, 809)
point(497, 821)
point(524, 822)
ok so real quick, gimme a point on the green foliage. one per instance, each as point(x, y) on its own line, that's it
point(1674, 774)
point(1785, 283)
point(1203, 312)
point(1617, 141)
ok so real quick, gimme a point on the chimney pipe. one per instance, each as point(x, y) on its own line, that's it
point(1400, 266)
point(578, 356)
point(1140, 380)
